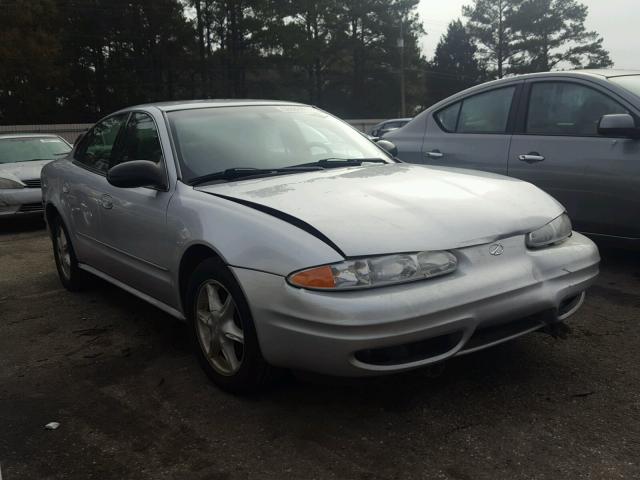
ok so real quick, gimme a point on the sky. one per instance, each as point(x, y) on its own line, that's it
point(616, 20)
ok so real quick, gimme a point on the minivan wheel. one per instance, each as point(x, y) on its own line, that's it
point(71, 277)
point(222, 330)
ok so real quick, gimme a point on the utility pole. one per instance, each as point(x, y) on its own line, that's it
point(403, 99)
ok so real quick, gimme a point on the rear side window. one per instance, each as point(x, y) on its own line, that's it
point(95, 149)
point(569, 109)
point(483, 113)
point(140, 141)
point(448, 118)
point(487, 112)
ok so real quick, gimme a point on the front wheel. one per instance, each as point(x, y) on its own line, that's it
point(71, 277)
point(222, 330)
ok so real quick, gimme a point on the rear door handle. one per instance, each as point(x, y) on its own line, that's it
point(533, 157)
point(434, 154)
point(106, 201)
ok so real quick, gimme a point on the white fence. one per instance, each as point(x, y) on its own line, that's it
point(71, 131)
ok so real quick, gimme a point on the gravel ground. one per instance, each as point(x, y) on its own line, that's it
point(132, 402)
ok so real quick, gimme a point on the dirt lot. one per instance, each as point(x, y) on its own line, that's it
point(132, 402)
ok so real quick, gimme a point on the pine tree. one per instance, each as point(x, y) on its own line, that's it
point(552, 33)
point(490, 23)
point(455, 65)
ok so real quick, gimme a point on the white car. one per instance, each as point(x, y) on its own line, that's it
point(22, 157)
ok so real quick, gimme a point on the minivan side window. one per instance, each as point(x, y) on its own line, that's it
point(483, 113)
point(95, 149)
point(140, 141)
point(568, 109)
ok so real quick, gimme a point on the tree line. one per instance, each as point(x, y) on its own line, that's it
point(76, 60)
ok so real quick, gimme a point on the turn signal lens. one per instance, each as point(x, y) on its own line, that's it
point(376, 271)
point(320, 277)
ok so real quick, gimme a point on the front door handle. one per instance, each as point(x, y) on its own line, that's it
point(533, 157)
point(65, 188)
point(434, 154)
point(106, 201)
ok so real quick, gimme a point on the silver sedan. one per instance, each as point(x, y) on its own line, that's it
point(285, 238)
point(22, 156)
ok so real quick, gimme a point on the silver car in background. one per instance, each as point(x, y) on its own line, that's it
point(285, 238)
point(22, 157)
point(576, 135)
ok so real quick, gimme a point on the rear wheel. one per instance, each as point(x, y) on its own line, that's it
point(222, 330)
point(71, 277)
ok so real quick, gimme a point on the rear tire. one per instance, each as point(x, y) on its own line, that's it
point(222, 330)
point(71, 277)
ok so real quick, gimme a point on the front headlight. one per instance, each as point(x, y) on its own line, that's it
point(6, 183)
point(553, 232)
point(376, 271)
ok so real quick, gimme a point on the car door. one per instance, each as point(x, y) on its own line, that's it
point(557, 147)
point(82, 190)
point(134, 219)
point(473, 132)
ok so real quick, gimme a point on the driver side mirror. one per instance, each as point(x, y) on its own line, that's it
point(619, 125)
point(137, 173)
point(388, 147)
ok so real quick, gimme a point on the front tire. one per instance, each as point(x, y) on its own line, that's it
point(222, 330)
point(71, 277)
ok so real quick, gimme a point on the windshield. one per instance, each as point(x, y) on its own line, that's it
point(630, 82)
point(26, 149)
point(211, 140)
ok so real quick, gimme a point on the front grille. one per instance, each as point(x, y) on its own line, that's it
point(410, 352)
point(34, 183)
point(31, 207)
point(497, 333)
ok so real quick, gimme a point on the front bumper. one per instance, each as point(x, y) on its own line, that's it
point(20, 201)
point(487, 301)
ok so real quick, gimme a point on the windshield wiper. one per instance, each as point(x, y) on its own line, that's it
point(342, 162)
point(247, 172)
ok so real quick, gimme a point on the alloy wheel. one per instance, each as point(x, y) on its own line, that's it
point(219, 328)
point(64, 253)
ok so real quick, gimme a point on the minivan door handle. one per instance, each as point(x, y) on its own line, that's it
point(434, 154)
point(533, 157)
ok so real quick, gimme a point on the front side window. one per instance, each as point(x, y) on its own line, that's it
point(96, 148)
point(486, 112)
point(211, 140)
point(569, 109)
point(28, 149)
point(140, 140)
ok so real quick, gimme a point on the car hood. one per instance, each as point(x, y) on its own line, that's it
point(380, 209)
point(22, 170)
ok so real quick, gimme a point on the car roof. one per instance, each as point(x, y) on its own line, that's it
point(27, 135)
point(397, 120)
point(212, 103)
point(602, 74)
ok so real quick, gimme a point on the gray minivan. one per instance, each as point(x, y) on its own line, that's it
point(574, 134)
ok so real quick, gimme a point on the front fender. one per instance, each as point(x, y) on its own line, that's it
point(242, 236)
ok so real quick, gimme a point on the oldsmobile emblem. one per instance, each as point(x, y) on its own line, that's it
point(496, 249)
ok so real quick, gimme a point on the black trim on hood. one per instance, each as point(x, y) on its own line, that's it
point(302, 225)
